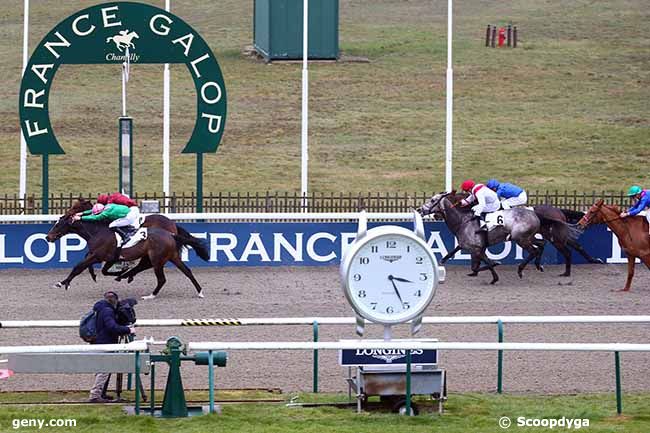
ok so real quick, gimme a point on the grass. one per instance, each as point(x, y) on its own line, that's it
point(568, 109)
point(464, 413)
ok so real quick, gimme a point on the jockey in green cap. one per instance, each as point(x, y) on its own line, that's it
point(642, 202)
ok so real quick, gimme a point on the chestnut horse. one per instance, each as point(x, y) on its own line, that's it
point(632, 234)
point(158, 248)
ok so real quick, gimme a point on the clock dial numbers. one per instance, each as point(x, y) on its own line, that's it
point(389, 277)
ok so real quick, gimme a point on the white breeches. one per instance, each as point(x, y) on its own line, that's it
point(131, 219)
point(521, 199)
point(488, 207)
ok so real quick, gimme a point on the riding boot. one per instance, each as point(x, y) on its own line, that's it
point(123, 232)
point(482, 225)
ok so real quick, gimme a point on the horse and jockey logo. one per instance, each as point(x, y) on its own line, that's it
point(123, 39)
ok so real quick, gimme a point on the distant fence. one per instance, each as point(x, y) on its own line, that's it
point(293, 201)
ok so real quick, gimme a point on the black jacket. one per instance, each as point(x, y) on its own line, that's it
point(108, 331)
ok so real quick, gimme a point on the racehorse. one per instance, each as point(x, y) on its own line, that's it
point(555, 228)
point(159, 247)
point(632, 234)
point(154, 220)
point(520, 224)
point(123, 39)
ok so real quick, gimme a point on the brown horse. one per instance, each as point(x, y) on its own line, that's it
point(158, 248)
point(632, 234)
point(154, 220)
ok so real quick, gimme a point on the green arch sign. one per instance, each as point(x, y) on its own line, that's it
point(102, 34)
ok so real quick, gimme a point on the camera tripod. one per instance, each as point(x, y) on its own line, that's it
point(119, 377)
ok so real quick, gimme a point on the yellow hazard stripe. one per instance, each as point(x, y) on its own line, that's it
point(211, 322)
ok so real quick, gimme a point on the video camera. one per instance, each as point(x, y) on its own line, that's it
point(125, 312)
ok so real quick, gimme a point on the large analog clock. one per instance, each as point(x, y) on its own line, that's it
point(390, 275)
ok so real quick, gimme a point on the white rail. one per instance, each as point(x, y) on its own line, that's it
point(135, 346)
point(335, 321)
point(247, 216)
point(405, 345)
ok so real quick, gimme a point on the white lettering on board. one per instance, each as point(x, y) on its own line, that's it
point(106, 17)
point(51, 248)
point(162, 29)
point(3, 254)
point(294, 250)
point(75, 28)
point(63, 42)
point(66, 246)
point(255, 246)
point(215, 247)
point(311, 243)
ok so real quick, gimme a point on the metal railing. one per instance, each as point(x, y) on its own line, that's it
point(293, 202)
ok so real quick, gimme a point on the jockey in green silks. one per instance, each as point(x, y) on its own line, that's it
point(109, 213)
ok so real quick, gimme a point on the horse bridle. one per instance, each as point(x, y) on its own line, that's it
point(589, 215)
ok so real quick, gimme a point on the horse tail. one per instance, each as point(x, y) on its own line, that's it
point(108, 39)
point(574, 231)
point(182, 232)
point(183, 239)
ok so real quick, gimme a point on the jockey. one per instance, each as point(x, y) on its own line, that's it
point(511, 195)
point(642, 202)
point(486, 198)
point(130, 220)
point(111, 212)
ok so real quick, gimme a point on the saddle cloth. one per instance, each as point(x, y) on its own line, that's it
point(494, 219)
point(138, 236)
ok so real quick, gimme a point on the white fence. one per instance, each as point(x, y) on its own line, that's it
point(242, 216)
point(268, 321)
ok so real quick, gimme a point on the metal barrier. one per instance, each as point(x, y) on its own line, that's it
point(316, 322)
point(407, 346)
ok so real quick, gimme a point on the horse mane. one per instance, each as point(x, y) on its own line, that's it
point(79, 205)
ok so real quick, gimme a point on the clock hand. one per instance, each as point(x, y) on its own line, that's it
point(402, 280)
point(392, 280)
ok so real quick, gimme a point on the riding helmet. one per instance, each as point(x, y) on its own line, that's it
point(634, 190)
point(492, 184)
point(467, 185)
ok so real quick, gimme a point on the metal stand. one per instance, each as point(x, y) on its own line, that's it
point(119, 377)
point(126, 155)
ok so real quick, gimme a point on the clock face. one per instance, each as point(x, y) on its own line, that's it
point(391, 277)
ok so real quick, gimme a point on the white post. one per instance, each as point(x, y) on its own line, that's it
point(305, 106)
point(22, 182)
point(166, 106)
point(125, 79)
point(450, 103)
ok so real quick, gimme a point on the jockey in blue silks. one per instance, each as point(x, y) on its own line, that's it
point(510, 195)
point(642, 202)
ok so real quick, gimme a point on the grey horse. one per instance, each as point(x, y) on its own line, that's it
point(519, 224)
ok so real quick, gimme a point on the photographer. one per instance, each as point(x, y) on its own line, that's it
point(108, 332)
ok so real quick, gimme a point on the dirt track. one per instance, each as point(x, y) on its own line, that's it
point(287, 292)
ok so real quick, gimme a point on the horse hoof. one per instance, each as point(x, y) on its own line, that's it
point(59, 285)
point(130, 280)
point(599, 261)
point(118, 279)
point(200, 295)
point(540, 268)
point(149, 297)
point(493, 282)
point(566, 274)
point(520, 273)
